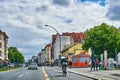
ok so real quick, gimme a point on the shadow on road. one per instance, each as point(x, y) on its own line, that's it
point(116, 75)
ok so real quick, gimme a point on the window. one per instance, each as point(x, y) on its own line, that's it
point(75, 59)
point(83, 59)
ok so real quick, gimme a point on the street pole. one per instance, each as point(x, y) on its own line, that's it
point(115, 54)
point(58, 35)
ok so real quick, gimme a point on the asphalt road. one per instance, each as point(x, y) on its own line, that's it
point(22, 74)
point(43, 73)
point(56, 74)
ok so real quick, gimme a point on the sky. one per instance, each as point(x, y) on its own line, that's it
point(24, 20)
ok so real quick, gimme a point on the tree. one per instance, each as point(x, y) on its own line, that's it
point(15, 56)
point(103, 37)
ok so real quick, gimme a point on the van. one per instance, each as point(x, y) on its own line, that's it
point(118, 60)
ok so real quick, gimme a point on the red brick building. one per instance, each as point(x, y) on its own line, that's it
point(78, 37)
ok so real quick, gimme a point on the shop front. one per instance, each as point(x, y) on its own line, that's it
point(81, 60)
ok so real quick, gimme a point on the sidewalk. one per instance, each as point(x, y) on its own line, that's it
point(96, 75)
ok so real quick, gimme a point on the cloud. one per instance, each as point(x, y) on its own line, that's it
point(114, 10)
point(62, 2)
point(42, 8)
point(24, 20)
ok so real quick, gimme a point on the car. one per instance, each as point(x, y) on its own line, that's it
point(33, 66)
point(11, 65)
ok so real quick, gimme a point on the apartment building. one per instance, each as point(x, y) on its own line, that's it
point(48, 54)
point(3, 47)
point(59, 42)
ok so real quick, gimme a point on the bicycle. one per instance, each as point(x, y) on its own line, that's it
point(64, 70)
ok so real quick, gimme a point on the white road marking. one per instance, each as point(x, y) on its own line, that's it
point(20, 75)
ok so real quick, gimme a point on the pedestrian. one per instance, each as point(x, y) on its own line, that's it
point(111, 65)
point(97, 64)
point(70, 64)
point(86, 63)
point(93, 64)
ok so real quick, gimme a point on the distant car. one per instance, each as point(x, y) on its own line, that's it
point(33, 66)
point(11, 65)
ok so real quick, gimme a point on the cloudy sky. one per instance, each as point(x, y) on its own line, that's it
point(24, 20)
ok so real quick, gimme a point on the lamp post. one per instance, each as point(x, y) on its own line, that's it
point(58, 35)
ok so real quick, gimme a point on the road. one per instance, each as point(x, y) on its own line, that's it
point(43, 73)
point(22, 74)
point(55, 74)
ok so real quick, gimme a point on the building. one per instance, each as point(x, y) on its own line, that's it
point(3, 48)
point(74, 50)
point(78, 37)
point(65, 40)
point(39, 59)
point(42, 57)
point(59, 42)
point(48, 54)
point(34, 59)
point(81, 60)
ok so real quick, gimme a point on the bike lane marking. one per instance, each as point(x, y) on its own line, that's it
point(45, 74)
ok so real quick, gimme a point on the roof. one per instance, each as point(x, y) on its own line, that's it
point(78, 37)
point(81, 54)
point(3, 33)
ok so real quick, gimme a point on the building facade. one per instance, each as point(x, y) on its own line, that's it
point(42, 57)
point(3, 48)
point(78, 37)
point(48, 54)
point(74, 50)
point(60, 43)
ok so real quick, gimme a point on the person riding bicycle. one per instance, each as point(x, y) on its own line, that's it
point(64, 65)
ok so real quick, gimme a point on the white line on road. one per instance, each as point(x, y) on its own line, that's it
point(20, 75)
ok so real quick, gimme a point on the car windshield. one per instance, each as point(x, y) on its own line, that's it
point(33, 64)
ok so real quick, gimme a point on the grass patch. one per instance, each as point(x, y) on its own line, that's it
point(5, 69)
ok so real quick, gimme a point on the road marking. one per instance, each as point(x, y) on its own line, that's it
point(20, 75)
point(45, 74)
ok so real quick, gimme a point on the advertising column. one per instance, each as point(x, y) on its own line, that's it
point(105, 58)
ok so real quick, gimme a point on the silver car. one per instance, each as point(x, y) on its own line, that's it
point(33, 66)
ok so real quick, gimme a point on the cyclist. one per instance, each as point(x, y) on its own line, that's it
point(64, 65)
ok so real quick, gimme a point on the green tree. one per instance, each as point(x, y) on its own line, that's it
point(15, 56)
point(103, 37)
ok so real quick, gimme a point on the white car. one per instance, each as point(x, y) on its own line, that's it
point(33, 66)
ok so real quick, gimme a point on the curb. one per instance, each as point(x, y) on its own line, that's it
point(95, 77)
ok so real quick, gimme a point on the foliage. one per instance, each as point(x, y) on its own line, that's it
point(103, 37)
point(15, 56)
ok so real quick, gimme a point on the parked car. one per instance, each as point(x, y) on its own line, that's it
point(11, 65)
point(33, 66)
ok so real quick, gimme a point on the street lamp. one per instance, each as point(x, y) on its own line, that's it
point(57, 34)
point(52, 28)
